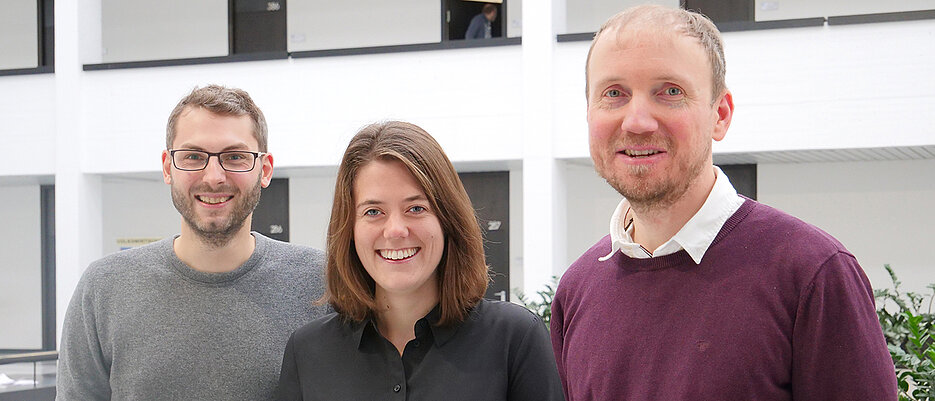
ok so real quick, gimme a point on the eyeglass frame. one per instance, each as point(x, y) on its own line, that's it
point(256, 156)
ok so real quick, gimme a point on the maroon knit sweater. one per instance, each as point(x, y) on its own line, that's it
point(777, 310)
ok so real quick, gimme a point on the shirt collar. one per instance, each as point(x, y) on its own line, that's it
point(440, 334)
point(695, 237)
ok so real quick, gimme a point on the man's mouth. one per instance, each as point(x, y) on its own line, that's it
point(640, 153)
point(213, 200)
point(398, 254)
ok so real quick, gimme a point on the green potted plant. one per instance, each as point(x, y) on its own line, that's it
point(909, 327)
point(543, 306)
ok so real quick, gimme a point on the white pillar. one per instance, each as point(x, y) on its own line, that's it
point(77, 195)
point(543, 211)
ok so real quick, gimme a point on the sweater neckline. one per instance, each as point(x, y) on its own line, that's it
point(215, 279)
point(681, 258)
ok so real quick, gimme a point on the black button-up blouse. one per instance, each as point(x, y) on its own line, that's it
point(500, 352)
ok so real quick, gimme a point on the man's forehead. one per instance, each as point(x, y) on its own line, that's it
point(636, 36)
point(646, 40)
point(192, 120)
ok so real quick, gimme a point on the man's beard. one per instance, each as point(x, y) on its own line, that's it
point(646, 194)
point(217, 234)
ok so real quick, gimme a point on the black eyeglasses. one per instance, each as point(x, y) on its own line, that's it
point(235, 161)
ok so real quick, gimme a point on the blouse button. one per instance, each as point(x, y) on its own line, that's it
point(396, 388)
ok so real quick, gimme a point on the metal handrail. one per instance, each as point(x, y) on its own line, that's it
point(29, 357)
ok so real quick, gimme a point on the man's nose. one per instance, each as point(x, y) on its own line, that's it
point(213, 172)
point(639, 117)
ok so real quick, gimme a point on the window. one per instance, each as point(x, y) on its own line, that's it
point(26, 37)
point(27, 287)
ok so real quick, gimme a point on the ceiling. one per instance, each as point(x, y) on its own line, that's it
point(829, 155)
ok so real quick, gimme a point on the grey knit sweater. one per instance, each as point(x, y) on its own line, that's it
point(142, 325)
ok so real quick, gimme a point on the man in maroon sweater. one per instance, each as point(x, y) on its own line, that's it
point(699, 293)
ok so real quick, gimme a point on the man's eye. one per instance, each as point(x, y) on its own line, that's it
point(673, 91)
point(613, 93)
point(194, 156)
point(235, 156)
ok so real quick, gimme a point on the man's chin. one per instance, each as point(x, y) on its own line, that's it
point(638, 191)
point(215, 233)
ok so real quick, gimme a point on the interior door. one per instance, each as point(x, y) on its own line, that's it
point(271, 216)
point(490, 196)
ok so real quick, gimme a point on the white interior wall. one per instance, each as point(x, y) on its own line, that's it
point(137, 30)
point(27, 109)
point(771, 10)
point(21, 268)
point(313, 106)
point(590, 203)
point(881, 211)
point(310, 199)
point(323, 24)
point(19, 34)
point(136, 208)
point(584, 16)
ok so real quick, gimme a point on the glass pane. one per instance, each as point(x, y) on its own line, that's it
point(772, 10)
point(139, 30)
point(21, 276)
point(19, 34)
point(584, 16)
point(327, 24)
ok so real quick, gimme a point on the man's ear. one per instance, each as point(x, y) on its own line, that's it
point(266, 173)
point(166, 167)
point(725, 111)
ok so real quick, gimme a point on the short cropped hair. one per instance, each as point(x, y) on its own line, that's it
point(462, 273)
point(223, 101)
point(488, 8)
point(685, 22)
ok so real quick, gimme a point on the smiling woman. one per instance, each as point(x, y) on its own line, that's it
point(406, 277)
point(396, 235)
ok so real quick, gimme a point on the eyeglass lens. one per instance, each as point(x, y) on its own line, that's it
point(197, 160)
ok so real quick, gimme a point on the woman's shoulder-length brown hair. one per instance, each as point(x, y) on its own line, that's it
point(462, 273)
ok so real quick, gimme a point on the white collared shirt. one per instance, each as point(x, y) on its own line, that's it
point(694, 237)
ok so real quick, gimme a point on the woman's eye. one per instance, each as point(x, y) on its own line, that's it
point(371, 212)
point(417, 209)
point(673, 91)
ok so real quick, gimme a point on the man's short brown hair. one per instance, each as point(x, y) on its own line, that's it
point(223, 101)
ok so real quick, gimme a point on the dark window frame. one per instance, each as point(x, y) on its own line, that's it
point(47, 199)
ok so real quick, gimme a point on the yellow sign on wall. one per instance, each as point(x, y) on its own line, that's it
point(127, 243)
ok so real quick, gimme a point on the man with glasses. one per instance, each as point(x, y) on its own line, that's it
point(205, 314)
